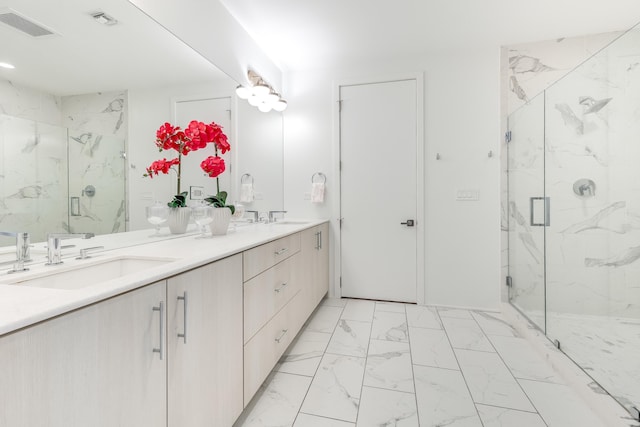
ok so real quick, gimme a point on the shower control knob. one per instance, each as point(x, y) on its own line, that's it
point(408, 223)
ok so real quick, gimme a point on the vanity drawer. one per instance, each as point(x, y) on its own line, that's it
point(267, 293)
point(263, 351)
point(263, 257)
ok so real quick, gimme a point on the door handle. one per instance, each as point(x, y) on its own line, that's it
point(535, 211)
point(408, 223)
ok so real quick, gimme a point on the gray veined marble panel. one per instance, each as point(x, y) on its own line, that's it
point(304, 355)
point(387, 408)
point(306, 420)
point(466, 334)
point(389, 366)
point(430, 347)
point(443, 399)
point(277, 402)
point(324, 319)
point(361, 310)
point(390, 326)
point(351, 338)
point(530, 245)
point(423, 317)
point(523, 360)
point(570, 119)
point(494, 324)
point(336, 387)
point(490, 381)
point(502, 417)
point(629, 256)
point(591, 106)
point(594, 222)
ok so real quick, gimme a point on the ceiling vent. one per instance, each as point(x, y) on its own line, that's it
point(22, 24)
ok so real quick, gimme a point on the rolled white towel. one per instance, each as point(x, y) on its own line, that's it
point(246, 193)
point(317, 192)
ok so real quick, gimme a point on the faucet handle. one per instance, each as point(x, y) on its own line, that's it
point(256, 215)
point(84, 252)
point(272, 217)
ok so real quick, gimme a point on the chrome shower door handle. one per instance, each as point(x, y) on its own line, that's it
point(540, 211)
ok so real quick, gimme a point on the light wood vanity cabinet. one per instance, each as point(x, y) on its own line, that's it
point(204, 345)
point(92, 367)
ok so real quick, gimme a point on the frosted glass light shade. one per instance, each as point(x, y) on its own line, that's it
point(261, 90)
point(264, 107)
point(281, 105)
point(254, 101)
point(243, 92)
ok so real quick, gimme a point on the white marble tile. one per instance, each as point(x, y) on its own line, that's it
point(443, 399)
point(361, 310)
point(494, 324)
point(324, 319)
point(396, 307)
point(380, 407)
point(466, 334)
point(523, 361)
point(335, 389)
point(351, 338)
point(389, 366)
point(334, 302)
point(430, 347)
point(277, 402)
point(559, 405)
point(390, 326)
point(493, 416)
point(454, 312)
point(419, 316)
point(306, 420)
point(304, 354)
point(490, 382)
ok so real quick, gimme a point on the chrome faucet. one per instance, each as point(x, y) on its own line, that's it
point(272, 217)
point(53, 245)
point(255, 214)
point(23, 253)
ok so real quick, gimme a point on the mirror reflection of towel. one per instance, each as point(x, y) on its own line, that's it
point(246, 193)
point(317, 192)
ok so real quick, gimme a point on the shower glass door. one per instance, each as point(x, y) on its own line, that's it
point(526, 210)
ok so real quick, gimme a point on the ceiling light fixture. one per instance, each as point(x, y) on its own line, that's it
point(260, 94)
point(104, 19)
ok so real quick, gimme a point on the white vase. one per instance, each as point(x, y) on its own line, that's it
point(220, 223)
point(179, 220)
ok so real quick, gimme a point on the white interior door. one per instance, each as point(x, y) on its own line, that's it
point(194, 179)
point(378, 187)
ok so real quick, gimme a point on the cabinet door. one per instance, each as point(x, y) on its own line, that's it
point(92, 367)
point(321, 263)
point(205, 345)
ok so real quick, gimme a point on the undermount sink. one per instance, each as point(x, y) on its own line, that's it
point(81, 276)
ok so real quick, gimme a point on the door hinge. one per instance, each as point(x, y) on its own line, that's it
point(557, 344)
point(507, 136)
point(340, 105)
point(340, 282)
point(509, 281)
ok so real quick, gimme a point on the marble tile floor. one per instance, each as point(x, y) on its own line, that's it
point(359, 363)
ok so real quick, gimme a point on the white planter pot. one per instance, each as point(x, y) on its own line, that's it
point(179, 220)
point(220, 223)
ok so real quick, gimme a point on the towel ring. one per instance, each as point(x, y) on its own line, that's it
point(244, 179)
point(321, 175)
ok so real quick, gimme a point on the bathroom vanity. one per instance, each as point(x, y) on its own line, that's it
point(183, 336)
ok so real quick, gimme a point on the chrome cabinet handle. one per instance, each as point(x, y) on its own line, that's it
point(281, 287)
point(160, 350)
point(319, 240)
point(183, 335)
point(282, 334)
point(281, 251)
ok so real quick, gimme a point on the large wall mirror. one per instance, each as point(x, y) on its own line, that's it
point(79, 111)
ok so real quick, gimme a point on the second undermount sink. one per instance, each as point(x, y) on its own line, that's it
point(83, 275)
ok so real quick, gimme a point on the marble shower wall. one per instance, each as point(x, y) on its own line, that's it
point(36, 179)
point(592, 132)
point(97, 134)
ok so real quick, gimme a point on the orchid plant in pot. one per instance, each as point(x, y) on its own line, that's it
point(197, 135)
point(214, 166)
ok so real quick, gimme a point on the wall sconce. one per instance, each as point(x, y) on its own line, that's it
point(260, 94)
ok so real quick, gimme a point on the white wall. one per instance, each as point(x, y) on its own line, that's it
point(462, 121)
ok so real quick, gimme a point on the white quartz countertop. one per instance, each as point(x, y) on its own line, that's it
point(22, 305)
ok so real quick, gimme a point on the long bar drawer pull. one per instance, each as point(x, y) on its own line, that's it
point(281, 251)
point(183, 335)
point(161, 348)
point(281, 287)
point(282, 334)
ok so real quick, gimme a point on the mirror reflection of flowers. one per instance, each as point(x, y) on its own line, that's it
point(195, 137)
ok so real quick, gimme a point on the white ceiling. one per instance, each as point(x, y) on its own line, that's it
point(85, 57)
point(300, 34)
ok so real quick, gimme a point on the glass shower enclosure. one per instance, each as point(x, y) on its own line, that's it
point(574, 215)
